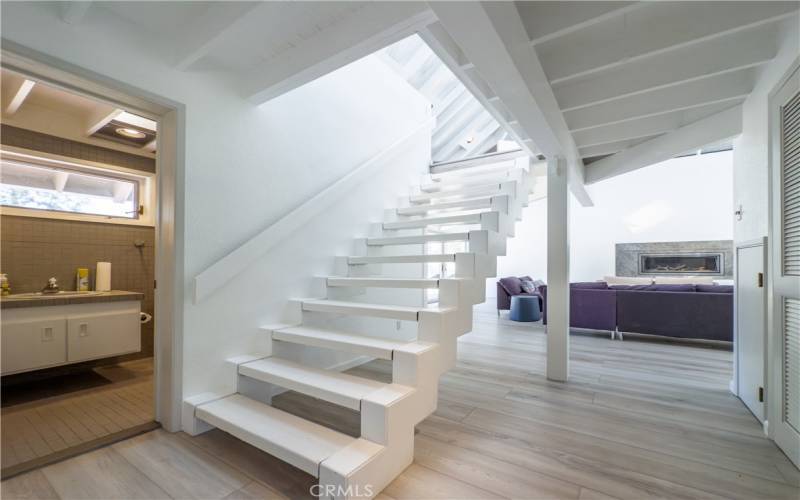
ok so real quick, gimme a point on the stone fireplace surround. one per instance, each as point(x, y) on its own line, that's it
point(628, 256)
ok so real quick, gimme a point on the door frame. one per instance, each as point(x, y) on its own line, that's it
point(169, 223)
point(774, 352)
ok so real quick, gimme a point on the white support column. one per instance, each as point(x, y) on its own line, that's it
point(557, 270)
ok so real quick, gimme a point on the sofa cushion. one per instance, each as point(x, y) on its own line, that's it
point(671, 288)
point(512, 285)
point(714, 288)
point(527, 286)
point(656, 288)
point(682, 280)
point(594, 285)
point(627, 280)
point(629, 287)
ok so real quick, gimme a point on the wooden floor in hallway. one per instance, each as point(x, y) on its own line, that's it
point(638, 419)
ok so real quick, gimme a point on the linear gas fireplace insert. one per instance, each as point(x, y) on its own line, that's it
point(681, 263)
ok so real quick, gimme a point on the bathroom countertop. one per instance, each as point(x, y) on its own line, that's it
point(27, 300)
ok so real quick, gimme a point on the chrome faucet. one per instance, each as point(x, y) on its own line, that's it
point(52, 286)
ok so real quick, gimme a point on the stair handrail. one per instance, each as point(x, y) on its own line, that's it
point(236, 261)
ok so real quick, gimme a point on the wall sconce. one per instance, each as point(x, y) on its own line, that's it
point(738, 213)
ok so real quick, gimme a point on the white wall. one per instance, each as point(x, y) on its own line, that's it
point(682, 199)
point(245, 167)
point(751, 148)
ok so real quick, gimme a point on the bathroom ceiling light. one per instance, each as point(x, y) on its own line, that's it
point(130, 132)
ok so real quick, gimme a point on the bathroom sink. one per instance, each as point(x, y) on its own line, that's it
point(63, 293)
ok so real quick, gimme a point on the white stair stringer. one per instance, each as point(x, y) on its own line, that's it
point(361, 466)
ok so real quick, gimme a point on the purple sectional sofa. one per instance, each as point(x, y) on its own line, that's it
point(681, 311)
point(508, 287)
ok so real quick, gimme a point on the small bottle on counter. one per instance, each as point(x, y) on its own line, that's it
point(5, 288)
point(82, 279)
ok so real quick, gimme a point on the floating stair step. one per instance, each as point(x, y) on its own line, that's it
point(468, 204)
point(477, 161)
point(471, 191)
point(362, 309)
point(383, 282)
point(292, 439)
point(430, 221)
point(338, 340)
point(418, 239)
point(334, 387)
point(401, 259)
point(482, 178)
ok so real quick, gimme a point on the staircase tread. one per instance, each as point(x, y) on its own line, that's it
point(335, 387)
point(365, 305)
point(443, 217)
point(421, 237)
point(462, 191)
point(295, 440)
point(384, 280)
point(342, 336)
point(476, 203)
point(389, 259)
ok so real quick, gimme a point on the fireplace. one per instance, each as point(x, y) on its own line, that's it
point(713, 258)
point(682, 263)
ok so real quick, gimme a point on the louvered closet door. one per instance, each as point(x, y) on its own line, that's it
point(784, 390)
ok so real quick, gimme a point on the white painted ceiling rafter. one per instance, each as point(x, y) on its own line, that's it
point(493, 38)
point(713, 128)
point(650, 31)
point(629, 76)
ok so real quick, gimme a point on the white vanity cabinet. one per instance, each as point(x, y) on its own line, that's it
point(41, 337)
point(30, 344)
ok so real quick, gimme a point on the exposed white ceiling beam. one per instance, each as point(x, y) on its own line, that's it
point(714, 128)
point(650, 32)
point(121, 191)
point(368, 29)
point(194, 40)
point(74, 12)
point(100, 117)
point(451, 131)
point(643, 127)
point(17, 91)
point(493, 38)
point(693, 94)
point(612, 147)
point(548, 20)
point(450, 53)
point(60, 178)
point(730, 53)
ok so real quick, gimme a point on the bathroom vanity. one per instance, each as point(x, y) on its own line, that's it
point(41, 331)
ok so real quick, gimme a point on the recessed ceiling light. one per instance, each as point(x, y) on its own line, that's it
point(130, 132)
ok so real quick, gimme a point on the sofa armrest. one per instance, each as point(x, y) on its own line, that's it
point(503, 298)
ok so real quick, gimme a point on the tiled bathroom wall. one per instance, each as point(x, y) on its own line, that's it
point(33, 249)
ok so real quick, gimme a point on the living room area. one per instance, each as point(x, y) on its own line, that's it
point(652, 260)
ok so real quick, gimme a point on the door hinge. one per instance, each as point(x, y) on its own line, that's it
point(760, 280)
point(155, 284)
point(760, 394)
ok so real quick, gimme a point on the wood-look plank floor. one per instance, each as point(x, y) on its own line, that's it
point(32, 432)
point(638, 419)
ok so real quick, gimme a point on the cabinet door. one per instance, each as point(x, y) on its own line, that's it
point(99, 335)
point(28, 345)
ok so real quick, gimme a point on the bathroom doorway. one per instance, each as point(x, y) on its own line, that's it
point(88, 229)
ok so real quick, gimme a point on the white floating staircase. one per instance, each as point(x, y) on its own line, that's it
point(476, 204)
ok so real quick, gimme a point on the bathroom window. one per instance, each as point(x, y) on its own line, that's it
point(28, 185)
